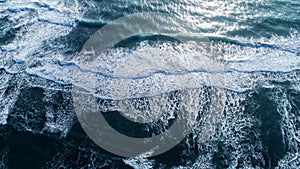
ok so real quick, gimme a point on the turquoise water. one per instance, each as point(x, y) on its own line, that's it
point(258, 41)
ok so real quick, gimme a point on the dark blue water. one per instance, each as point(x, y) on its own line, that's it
point(258, 41)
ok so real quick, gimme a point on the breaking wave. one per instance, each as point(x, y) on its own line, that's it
point(259, 79)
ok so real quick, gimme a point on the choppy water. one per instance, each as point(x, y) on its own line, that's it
point(257, 40)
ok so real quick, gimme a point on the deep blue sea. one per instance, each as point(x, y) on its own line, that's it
point(257, 42)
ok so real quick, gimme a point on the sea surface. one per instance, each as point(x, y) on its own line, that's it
point(258, 41)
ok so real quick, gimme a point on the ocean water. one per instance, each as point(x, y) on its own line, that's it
point(258, 42)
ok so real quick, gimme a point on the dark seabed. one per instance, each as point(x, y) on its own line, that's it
point(257, 40)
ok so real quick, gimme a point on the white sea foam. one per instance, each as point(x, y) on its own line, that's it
point(37, 23)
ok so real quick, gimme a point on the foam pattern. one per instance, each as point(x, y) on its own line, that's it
point(288, 106)
point(36, 80)
point(236, 134)
point(231, 63)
